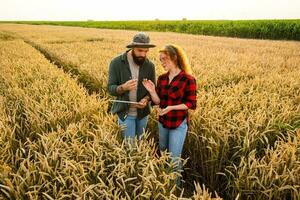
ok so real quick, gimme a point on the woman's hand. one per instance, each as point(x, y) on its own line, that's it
point(149, 85)
point(164, 111)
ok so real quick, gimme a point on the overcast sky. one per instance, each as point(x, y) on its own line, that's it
point(148, 9)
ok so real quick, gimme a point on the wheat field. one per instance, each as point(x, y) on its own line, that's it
point(58, 141)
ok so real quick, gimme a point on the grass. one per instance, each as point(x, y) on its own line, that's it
point(258, 29)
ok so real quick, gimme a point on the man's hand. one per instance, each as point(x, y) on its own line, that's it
point(130, 85)
point(142, 103)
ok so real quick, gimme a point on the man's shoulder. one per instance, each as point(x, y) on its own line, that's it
point(117, 59)
point(149, 63)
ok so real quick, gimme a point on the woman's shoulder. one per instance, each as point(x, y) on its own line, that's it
point(188, 76)
point(163, 76)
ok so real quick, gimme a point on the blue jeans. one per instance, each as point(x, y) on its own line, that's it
point(172, 140)
point(133, 127)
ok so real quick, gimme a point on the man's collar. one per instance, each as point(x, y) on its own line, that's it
point(124, 56)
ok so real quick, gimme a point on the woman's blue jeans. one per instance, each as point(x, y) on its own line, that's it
point(172, 140)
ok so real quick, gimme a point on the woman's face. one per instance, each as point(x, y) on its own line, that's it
point(166, 61)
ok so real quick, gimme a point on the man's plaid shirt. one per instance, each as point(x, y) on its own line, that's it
point(182, 89)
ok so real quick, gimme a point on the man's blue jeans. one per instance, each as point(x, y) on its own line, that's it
point(172, 140)
point(133, 127)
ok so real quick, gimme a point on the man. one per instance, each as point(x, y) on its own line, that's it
point(126, 73)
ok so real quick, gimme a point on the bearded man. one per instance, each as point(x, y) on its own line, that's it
point(126, 74)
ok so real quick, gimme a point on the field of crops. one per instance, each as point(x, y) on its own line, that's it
point(260, 29)
point(57, 140)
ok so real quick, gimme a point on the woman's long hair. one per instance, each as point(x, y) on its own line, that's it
point(178, 55)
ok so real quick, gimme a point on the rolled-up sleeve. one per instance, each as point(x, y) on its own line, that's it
point(191, 94)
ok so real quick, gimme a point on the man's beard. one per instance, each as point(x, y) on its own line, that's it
point(139, 60)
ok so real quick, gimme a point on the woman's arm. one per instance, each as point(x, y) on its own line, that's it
point(179, 107)
point(190, 99)
point(174, 107)
point(149, 85)
point(154, 97)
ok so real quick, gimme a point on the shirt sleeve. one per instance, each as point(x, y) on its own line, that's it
point(112, 80)
point(190, 94)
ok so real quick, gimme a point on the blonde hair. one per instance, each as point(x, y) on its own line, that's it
point(178, 55)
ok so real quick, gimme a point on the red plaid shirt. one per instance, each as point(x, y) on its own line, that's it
point(182, 89)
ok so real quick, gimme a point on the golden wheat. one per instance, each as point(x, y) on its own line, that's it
point(248, 105)
point(57, 143)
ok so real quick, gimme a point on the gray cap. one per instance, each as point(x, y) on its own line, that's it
point(140, 40)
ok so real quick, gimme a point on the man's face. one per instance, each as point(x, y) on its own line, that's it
point(139, 55)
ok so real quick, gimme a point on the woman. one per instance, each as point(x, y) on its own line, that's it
point(175, 94)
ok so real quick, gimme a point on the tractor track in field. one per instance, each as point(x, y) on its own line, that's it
point(90, 83)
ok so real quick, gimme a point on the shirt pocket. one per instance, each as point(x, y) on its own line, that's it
point(176, 92)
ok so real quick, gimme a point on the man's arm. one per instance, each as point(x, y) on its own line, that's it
point(113, 82)
point(114, 86)
point(120, 89)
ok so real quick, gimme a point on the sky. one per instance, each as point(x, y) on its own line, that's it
point(69, 10)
